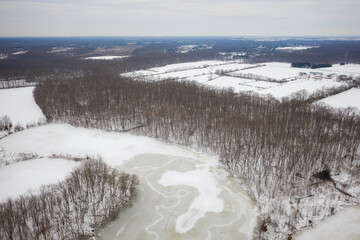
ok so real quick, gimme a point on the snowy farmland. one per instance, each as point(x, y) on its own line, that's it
point(277, 79)
point(106, 57)
point(349, 98)
point(20, 106)
point(295, 48)
point(18, 178)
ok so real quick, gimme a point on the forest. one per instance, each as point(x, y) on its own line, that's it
point(289, 153)
point(75, 208)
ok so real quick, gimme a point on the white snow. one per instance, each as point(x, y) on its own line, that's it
point(349, 98)
point(276, 70)
point(289, 88)
point(200, 79)
point(263, 84)
point(296, 48)
point(207, 201)
point(237, 84)
point(264, 80)
point(184, 73)
point(105, 57)
point(20, 106)
point(60, 49)
point(230, 67)
point(348, 69)
point(343, 225)
point(177, 67)
point(18, 178)
point(190, 48)
point(19, 52)
point(115, 148)
point(3, 56)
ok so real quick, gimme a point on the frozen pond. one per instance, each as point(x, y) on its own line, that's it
point(183, 194)
point(183, 198)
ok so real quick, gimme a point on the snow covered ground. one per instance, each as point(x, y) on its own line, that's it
point(343, 225)
point(343, 69)
point(183, 193)
point(60, 49)
point(278, 79)
point(295, 48)
point(237, 84)
point(3, 56)
point(18, 178)
point(105, 57)
point(178, 67)
point(19, 52)
point(276, 70)
point(20, 106)
point(289, 88)
point(349, 98)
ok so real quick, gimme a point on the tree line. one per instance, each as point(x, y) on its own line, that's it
point(72, 209)
point(277, 146)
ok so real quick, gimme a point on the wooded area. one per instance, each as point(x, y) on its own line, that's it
point(72, 209)
point(277, 146)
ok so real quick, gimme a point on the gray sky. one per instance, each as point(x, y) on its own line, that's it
point(179, 17)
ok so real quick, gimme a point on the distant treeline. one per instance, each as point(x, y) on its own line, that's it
point(38, 64)
point(72, 209)
point(276, 145)
point(310, 65)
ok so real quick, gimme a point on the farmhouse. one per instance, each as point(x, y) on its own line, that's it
point(303, 75)
point(316, 75)
point(331, 76)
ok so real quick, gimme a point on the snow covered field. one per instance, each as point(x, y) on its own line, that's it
point(20, 106)
point(241, 77)
point(295, 48)
point(349, 98)
point(172, 187)
point(289, 88)
point(18, 178)
point(343, 225)
point(19, 52)
point(105, 57)
point(277, 71)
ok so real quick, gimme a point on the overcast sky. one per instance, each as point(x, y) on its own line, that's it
point(179, 17)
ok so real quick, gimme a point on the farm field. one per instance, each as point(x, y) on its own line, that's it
point(349, 98)
point(105, 57)
point(20, 106)
point(18, 178)
point(277, 79)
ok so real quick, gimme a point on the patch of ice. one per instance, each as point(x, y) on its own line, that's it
point(207, 201)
